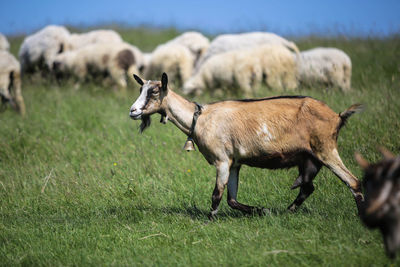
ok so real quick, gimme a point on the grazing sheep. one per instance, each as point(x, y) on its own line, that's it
point(4, 45)
point(38, 50)
point(79, 40)
point(381, 208)
point(173, 58)
point(327, 66)
point(246, 69)
point(195, 41)
point(273, 133)
point(10, 81)
point(145, 63)
point(116, 60)
point(228, 42)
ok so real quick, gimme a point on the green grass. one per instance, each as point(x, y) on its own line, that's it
point(80, 186)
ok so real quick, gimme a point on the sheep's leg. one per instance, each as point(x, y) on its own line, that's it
point(4, 87)
point(308, 171)
point(18, 95)
point(233, 184)
point(335, 164)
point(82, 75)
point(118, 76)
point(243, 79)
point(222, 180)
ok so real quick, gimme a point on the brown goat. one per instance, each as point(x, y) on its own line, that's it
point(273, 133)
point(381, 208)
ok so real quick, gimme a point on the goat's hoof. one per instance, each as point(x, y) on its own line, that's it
point(212, 216)
point(262, 211)
point(292, 208)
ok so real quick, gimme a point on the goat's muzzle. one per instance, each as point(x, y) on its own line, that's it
point(135, 115)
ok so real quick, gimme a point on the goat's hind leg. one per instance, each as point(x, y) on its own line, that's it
point(233, 185)
point(335, 164)
point(308, 170)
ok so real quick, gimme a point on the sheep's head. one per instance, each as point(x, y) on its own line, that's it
point(150, 99)
point(381, 208)
point(59, 69)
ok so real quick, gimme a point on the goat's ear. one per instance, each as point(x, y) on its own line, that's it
point(138, 79)
point(361, 161)
point(385, 153)
point(164, 82)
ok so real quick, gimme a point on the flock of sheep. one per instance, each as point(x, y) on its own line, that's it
point(229, 62)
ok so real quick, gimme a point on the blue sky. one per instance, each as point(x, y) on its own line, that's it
point(287, 17)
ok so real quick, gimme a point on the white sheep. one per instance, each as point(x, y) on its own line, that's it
point(39, 49)
point(245, 69)
point(145, 63)
point(116, 60)
point(4, 45)
point(79, 40)
point(172, 58)
point(328, 66)
point(195, 41)
point(228, 42)
point(10, 81)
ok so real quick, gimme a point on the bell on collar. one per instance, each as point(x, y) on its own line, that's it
point(189, 145)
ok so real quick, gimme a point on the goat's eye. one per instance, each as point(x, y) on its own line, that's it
point(155, 92)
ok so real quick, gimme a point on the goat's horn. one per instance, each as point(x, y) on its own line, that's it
point(385, 153)
point(361, 161)
point(189, 145)
point(383, 196)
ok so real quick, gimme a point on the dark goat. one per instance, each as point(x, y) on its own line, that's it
point(381, 208)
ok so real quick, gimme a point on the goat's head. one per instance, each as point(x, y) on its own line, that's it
point(150, 99)
point(381, 208)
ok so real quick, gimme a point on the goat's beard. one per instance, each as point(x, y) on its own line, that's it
point(146, 121)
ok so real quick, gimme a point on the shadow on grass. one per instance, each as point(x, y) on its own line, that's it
point(87, 214)
point(200, 214)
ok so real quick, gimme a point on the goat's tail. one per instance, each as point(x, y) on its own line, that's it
point(345, 115)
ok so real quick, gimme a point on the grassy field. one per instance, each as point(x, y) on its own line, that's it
point(80, 186)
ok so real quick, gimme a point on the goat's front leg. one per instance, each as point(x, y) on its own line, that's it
point(222, 180)
point(233, 185)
